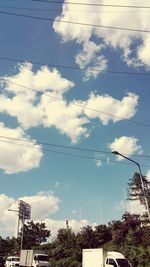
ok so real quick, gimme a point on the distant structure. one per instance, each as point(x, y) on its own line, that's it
point(67, 223)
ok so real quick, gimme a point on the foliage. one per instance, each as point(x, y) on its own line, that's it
point(34, 234)
point(125, 235)
point(135, 189)
point(129, 235)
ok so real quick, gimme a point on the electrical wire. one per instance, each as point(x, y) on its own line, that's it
point(68, 147)
point(89, 4)
point(56, 145)
point(72, 11)
point(75, 104)
point(75, 68)
point(75, 23)
point(73, 155)
point(30, 8)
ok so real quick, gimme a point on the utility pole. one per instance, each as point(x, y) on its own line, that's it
point(24, 213)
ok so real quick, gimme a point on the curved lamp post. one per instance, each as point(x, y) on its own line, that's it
point(141, 178)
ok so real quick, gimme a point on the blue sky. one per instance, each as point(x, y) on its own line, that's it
point(87, 108)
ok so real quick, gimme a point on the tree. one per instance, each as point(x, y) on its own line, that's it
point(102, 235)
point(63, 251)
point(34, 234)
point(86, 238)
point(135, 190)
point(9, 246)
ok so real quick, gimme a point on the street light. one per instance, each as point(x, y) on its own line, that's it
point(141, 178)
point(18, 220)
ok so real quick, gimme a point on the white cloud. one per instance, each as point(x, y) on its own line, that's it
point(17, 156)
point(148, 175)
point(25, 103)
point(125, 145)
point(5, 202)
point(42, 80)
point(143, 51)
point(55, 225)
point(43, 205)
point(90, 54)
point(105, 104)
point(48, 109)
point(67, 118)
point(98, 162)
point(133, 207)
point(133, 45)
point(8, 219)
point(51, 109)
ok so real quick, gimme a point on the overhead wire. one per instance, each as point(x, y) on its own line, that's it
point(77, 68)
point(75, 104)
point(67, 147)
point(89, 4)
point(74, 67)
point(30, 8)
point(72, 11)
point(75, 23)
point(73, 155)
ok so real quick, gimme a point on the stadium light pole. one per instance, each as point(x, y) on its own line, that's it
point(141, 178)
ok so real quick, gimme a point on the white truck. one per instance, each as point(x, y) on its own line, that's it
point(12, 261)
point(33, 258)
point(97, 257)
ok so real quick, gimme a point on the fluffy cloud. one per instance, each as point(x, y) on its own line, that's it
point(18, 156)
point(8, 220)
point(90, 54)
point(55, 225)
point(125, 145)
point(42, 80)
point(67, 118)
point(106, 105)
point(148, 175)
point(132, 44)
point(51, 109)
point(48, 109)
point(25, 96)
point(133, 207)
point(43, 205)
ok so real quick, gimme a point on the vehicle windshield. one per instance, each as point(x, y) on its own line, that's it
point(42, 258)
point(15, 259)
point(123, 263)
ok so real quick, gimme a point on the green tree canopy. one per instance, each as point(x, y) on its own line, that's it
point(135, 190)
point(34, 234)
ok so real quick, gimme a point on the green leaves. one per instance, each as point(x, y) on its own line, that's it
point(34, 234)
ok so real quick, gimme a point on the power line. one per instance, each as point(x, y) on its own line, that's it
point(56, 145)
point(75, 68)
point(72, 11)
point(30, 8)
point(75, 23)
point(71, 154)
point(67, 147)
point(89, 4)
point(75, 104)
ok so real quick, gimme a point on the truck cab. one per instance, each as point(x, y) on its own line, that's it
point(33, 258)
point(40, 260)
point(116, 259)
